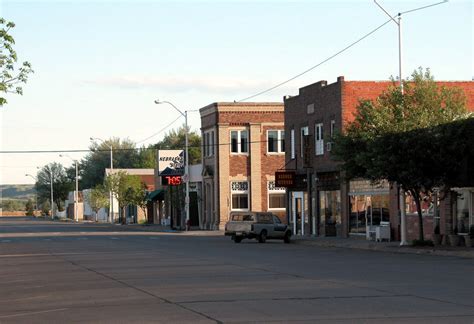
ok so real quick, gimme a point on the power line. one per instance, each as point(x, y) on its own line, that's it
point(161, 130)
point(121, 149)
point(315, 66)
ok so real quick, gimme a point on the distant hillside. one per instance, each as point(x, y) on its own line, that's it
point(20, 192)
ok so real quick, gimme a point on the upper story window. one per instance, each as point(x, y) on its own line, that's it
point(304, 132)
point(292, 144)
point(239, 141)
point(319, 137)
point(276, 141)
point(333, 128)
point(208, 143)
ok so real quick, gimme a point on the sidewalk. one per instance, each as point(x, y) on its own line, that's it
point(353, 242)
point(361, 243)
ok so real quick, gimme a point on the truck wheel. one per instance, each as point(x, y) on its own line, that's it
point(287, 237)
point(237, 239)
point(262, 237)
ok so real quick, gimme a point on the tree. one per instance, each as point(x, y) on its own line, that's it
point(98, 198)
point(11, 75)
point(61, 184)
point(176, 139)
point(45, 208)
point(385, 142)
point(11, 205)
point(126, 188)
point(30, 211)
point(125, 155)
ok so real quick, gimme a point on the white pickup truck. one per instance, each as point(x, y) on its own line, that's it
point(259, 225)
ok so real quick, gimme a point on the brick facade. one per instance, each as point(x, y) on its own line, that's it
point(326, 104)
point(222, 167)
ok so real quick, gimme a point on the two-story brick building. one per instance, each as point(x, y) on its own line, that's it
point(325, 205)
point(243, 146)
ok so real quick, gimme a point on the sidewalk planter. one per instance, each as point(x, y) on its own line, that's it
point(437, 239)
point(454, 239)
point(469, 241)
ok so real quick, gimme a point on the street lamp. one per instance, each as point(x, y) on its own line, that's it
point(76, 192)
point(403, 225)
point(36, 193)
point(52, 195)
point(186, 157)
point(111, 216)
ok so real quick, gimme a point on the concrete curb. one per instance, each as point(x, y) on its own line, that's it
point(384, 247)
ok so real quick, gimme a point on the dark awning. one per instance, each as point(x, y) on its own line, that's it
point(155, 195)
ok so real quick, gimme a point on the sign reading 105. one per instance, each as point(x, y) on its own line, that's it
point(171, 180)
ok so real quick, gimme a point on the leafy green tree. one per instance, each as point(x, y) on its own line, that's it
point(29, 208)
point(176, 139)
point(45, 208)
point(11, 75)
point(126, 189)
point(125, 155)
point(98, 198)
point(62, 185)
point(378, 145)
point(12, 205)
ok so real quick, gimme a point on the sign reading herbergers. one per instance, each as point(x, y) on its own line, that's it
point(170, 162)
point(285, 179)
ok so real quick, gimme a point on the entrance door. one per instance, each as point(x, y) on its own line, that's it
point(298, 213)
point(193, 209)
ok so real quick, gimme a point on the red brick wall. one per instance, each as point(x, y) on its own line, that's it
point(413, 227)
point(239, 164)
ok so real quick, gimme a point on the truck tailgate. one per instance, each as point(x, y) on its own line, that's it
point(239, 227)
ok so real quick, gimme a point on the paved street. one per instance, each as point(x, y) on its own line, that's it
point(64, 272)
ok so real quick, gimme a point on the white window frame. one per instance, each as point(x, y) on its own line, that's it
point(280, 138)
point(304, 131)
point(271, 189)
point(292, 144)
point(333, 127)
point(319, 138)
point(239, 141)
point(234, 189)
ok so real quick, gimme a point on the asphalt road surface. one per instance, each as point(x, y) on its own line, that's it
point(53, 272)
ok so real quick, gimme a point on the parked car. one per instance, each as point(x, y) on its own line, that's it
point(259, 225)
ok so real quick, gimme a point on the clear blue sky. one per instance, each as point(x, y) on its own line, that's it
point(100, 64)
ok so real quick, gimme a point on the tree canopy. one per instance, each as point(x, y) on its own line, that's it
point(125, 155)
point(127, 189)
point(61, 184)
point(11, 75)
point(176, 139)
point(395, 137)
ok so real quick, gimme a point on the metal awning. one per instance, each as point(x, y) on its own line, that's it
point(155, 195)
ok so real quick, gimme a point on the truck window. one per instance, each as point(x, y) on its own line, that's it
point(276, 220)
point(265, 218)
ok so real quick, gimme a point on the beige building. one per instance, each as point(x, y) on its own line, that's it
point(243, 146)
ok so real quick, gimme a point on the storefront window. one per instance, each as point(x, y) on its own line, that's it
point(462, 210)
point(368, 210)
point(330, 211)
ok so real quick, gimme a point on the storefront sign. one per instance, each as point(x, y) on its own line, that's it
point(285, 179)
point(170, 162)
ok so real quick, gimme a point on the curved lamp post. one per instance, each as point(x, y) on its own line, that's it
point(186, 157)
point(36, 193)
